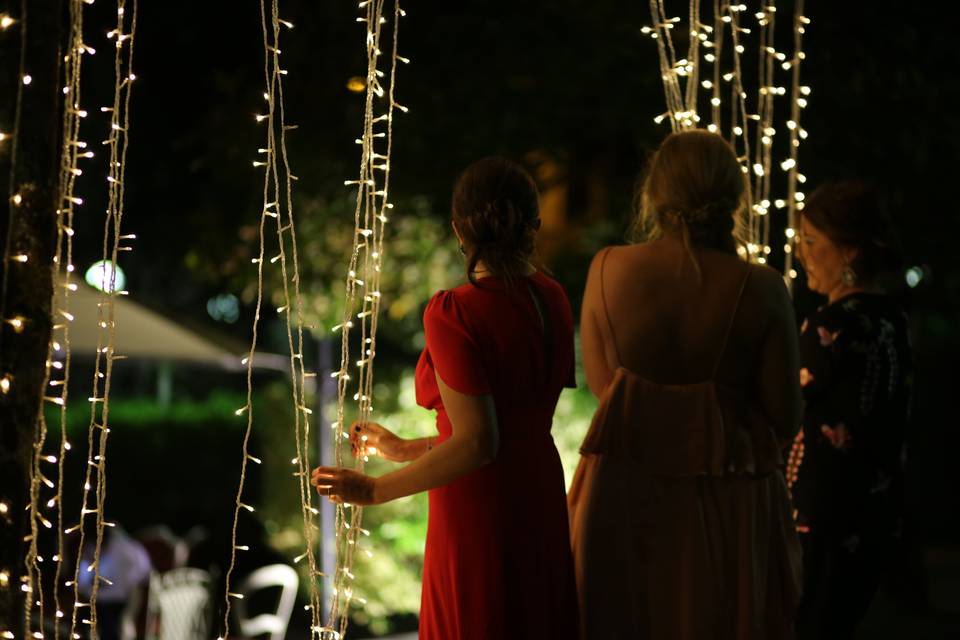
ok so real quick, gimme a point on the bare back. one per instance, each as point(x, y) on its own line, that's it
point(646, 309)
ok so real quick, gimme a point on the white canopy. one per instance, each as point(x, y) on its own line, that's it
point(142, 333)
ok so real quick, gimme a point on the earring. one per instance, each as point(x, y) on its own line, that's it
point(849, 276)
point(463, 249)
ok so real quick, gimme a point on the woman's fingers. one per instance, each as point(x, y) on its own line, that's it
point(324, 478)
point(839, 437)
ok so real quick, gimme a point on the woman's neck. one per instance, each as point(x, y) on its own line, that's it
point(481, 270)
point(842, 291)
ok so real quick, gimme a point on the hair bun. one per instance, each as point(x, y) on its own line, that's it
point(496, 212)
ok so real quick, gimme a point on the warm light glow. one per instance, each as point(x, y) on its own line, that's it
point(105, 276)
point(356, 84)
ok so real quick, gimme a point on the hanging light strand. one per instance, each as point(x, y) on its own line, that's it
point(692, 67)
point(274, 177)
point(660, 32)
point(297, 369)
point(763, 142)
point(266, 211)
point(798, 101)
point(363, 282)
point(123, 37)
point(61, 320)
point(719, 25)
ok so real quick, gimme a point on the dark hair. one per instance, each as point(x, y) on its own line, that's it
point(850, 214)
point(693, 185)
point(496, 211)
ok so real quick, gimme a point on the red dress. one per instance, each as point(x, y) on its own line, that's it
point(498, 563)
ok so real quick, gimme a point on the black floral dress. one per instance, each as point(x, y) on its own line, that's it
point(857, 379)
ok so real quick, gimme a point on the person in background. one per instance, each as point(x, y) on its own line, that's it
point(681, 520)
point(857, 377)
point(499, 349)
point(124, 564)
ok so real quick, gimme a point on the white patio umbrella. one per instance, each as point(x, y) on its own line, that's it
point(142, 333)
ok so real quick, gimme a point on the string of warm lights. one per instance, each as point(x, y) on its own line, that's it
point(757, 159)
point(70, 155)
point(98, 427)
point(714, 57)
point(370, 219)
point(795, 197)
point(798, 101)
point(14, 320)
point(670, 67)
point(693, 57)
point(298, 372)
point(58, 346)
point(763, 143)
point(740, 119)
point(266, 211)
point(274, 208)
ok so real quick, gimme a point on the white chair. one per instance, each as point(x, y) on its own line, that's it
point(179, 605)
point(275, 624)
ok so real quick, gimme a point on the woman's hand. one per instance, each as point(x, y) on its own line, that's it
point(344, 485)
point(370, 438)
point(839, 436)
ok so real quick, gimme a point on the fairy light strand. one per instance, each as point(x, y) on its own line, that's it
point(797, 103)
point(60, 305)
point(106, 334)
point(297, 370)
point(370, 219)
point(716, 55)
point(692, 68)
point(763, 142)
point(668, 63)
point(275, 118)
point(265, 212)
point(70, 157)
point(794, 197)
point(755, 155)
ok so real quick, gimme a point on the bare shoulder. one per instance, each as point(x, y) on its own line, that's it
point(767, 290)
point(603, 258)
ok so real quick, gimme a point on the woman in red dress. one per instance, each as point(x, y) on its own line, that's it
point(499, 349)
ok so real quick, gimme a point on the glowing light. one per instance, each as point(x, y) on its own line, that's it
point(913, 276)
point(356, 84)
point(105, 276)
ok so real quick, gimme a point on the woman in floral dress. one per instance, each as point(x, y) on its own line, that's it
point(857, 377)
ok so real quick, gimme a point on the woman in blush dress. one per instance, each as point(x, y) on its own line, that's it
point(680, 517)
point(857, 377)
point(499, 349)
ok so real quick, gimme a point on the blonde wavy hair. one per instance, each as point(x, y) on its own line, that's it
point(693, 186)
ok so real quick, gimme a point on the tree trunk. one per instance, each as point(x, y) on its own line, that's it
point(30, 116)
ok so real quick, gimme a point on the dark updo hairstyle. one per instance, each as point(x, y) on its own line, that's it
point(850, 214)
point(496, 211)
point(693, 186)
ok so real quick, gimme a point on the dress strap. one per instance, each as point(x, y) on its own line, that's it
point(733, 317)
point(603, 301)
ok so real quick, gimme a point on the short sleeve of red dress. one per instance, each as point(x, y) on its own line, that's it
point(455, 352)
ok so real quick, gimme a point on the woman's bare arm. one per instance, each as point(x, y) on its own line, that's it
point(473, 443)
